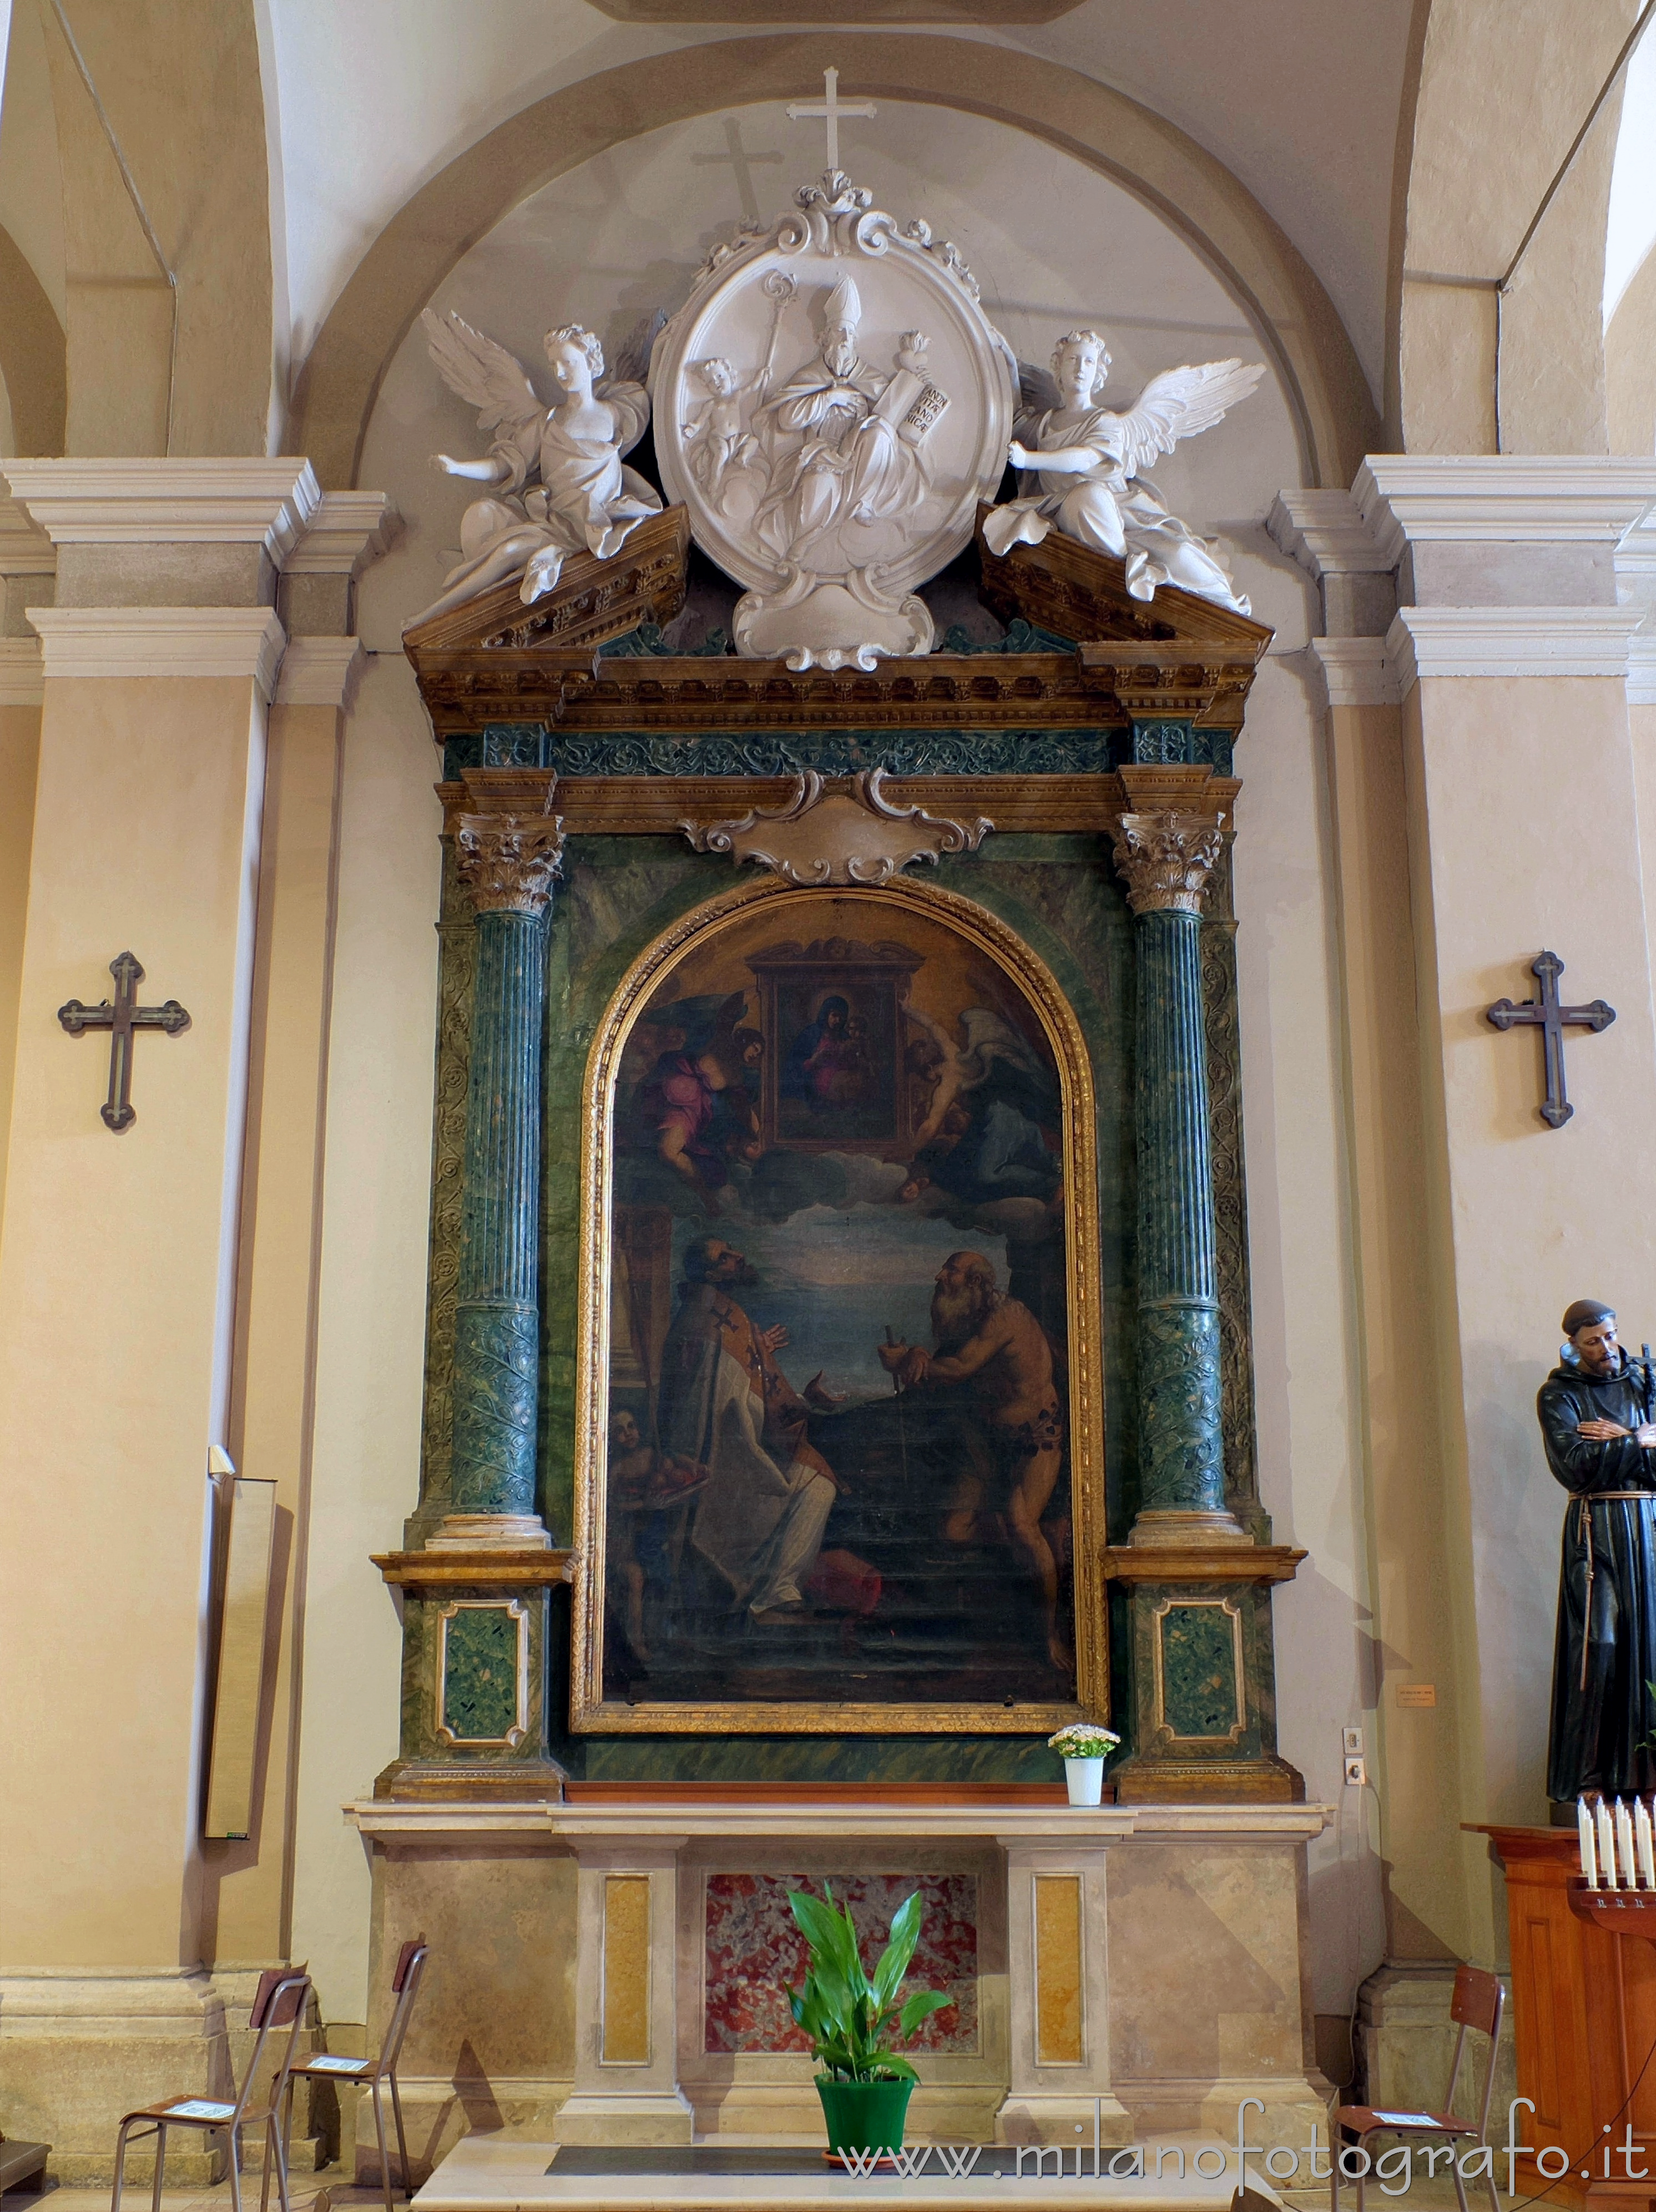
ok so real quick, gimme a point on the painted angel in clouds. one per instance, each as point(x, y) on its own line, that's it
point(1086, 460)
point(559, 485)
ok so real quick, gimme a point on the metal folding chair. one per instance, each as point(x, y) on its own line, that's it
point(371, 2072)
point(279, 2004)
point(1478, 2002)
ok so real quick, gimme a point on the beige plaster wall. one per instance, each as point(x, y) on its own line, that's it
point(104, 1427)
point(371, 1308)
point(1630, 366)
point(20, 749)
point(1305, 1380)
point(1504, 86)
point(247, 1907)
point(180, 82)
point(1406, 1624)
point(1519, 1219)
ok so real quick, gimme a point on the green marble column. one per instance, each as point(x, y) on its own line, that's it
point(507, 861)
point(1166, 857)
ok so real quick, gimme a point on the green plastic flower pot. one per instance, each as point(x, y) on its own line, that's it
point(864, 2116)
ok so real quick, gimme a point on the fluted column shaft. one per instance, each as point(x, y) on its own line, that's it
point(496, 1318)
point(1166, 858)
point(506, 860)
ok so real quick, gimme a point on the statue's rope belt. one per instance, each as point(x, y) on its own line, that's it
point(1600, 1497)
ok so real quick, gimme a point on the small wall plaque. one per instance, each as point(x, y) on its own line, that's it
point(1417, 1694)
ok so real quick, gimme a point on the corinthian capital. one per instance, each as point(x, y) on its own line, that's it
point(507, 861)
point(1167, 858)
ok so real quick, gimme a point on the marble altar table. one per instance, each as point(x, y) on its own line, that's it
point(609, 1971)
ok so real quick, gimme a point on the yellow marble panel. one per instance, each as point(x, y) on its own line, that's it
point(626, 1970)
point(1058, 2040)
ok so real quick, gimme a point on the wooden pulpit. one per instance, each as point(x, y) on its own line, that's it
point(1584, 2012)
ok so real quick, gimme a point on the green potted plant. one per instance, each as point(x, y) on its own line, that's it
point(1084, 1747)
point(847, 2014)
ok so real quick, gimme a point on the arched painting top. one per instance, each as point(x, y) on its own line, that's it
point(840, 1446)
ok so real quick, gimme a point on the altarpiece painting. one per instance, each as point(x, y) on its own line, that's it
point(841, 1440)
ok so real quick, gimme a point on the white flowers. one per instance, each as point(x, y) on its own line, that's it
point(1084, 1739)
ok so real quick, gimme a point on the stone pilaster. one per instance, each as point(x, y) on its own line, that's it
point(507, 861)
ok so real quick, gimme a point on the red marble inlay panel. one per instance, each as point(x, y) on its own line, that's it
point(756, 1954)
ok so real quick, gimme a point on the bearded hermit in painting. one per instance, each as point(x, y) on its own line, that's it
point(855, 465)
point(1081, 463)
point(995, 1345)
point(1596, 1413)
point(725, 1404)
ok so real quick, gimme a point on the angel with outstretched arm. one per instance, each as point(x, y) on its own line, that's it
point(1085, 461)
point(559, 487)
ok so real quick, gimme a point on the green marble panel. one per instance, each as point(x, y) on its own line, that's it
point(1200, 1693)
point(481, 1671)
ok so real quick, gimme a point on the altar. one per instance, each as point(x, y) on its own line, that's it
point(617, 1964)
point(838, 1369)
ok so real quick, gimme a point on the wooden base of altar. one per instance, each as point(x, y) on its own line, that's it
point(1583, 2004)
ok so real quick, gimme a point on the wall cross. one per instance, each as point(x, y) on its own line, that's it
point(1546, 1014)
point(123, 1020)
point(829, 108)
point(741, 162)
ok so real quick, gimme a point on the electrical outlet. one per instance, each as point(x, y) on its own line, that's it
point(1356, 1772)
point(1351, 1742)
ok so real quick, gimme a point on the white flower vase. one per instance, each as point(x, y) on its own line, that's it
point(1085, 1780)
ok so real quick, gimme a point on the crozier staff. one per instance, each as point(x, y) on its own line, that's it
point(1595, 1410)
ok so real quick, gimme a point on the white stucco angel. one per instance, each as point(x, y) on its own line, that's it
point(1086, 460)
point(560, 485)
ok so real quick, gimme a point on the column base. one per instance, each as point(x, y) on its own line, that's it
point(84, 2045)
point(649, 2117)
point(1149, 1778)
point(477, 1782)
point(490, 1532)
point(1065, 2122)
point(1168, 1527)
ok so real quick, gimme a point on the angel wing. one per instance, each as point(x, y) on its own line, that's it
point(1038, 392)
point(481, 372)
point(1178, 403)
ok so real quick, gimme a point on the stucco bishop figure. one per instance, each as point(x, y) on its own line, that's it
point(1595, 1410)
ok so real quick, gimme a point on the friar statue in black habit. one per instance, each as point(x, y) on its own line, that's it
point(1596, 1413)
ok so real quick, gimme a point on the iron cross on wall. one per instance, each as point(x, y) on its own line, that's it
point(1546, 1014)
point(122, 1020)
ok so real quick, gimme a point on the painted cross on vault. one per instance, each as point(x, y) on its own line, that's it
point(1546, 1014)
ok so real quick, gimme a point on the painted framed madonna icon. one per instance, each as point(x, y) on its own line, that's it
point(840, 1462)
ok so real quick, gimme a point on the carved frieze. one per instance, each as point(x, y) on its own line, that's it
point(821, 835)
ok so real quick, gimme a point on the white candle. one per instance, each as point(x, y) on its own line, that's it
point(1624, 1859)
point(1589, 1848)
point(1606, 1844)
point(1646, 1841)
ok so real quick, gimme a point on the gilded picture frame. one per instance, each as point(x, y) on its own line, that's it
point(903, 907)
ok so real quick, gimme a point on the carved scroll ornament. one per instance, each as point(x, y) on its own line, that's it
point(1167, 858)
point(838, 836)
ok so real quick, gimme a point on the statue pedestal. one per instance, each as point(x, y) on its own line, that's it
point(1584, 2009)
point(592, 601)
